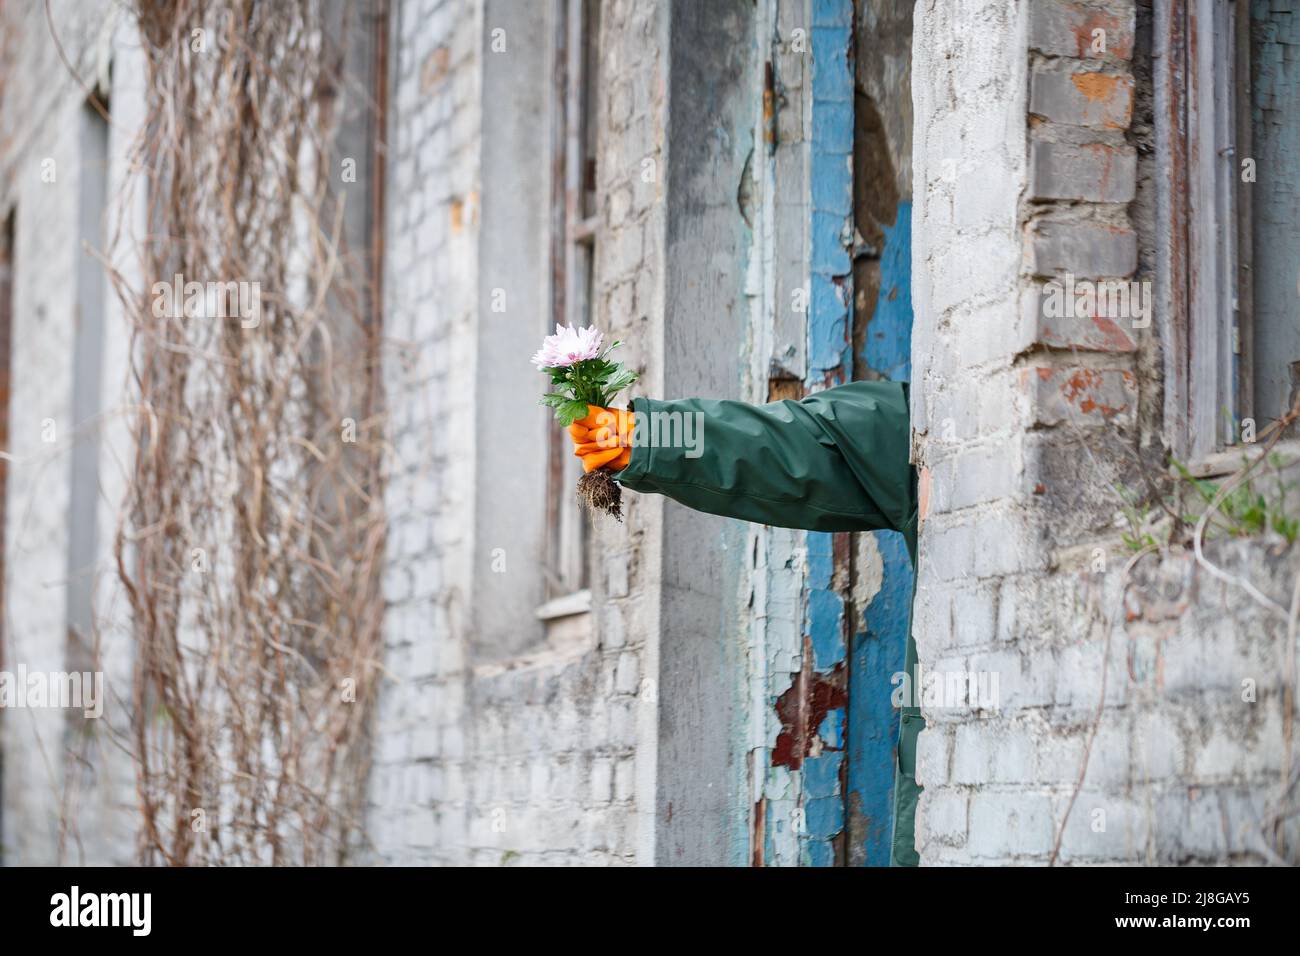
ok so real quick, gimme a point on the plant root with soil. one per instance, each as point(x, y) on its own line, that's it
point(600, 492)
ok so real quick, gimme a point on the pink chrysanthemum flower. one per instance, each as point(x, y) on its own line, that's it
point(568, 346)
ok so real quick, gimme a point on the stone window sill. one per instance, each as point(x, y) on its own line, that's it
point(1226, 462)
point(579, 602)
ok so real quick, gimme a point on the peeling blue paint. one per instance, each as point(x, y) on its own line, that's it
point(888, 345)
point(825, 605)
point(829, 260)
point(823, 799)
point(826, 194)
point(880, 638)
point(830, 354)
point(879, 646)
point(831, 136)
point(854, 772)
point(823, 807)
point(825, 814)
point(830, 348)
point(832, 13)
point(831, 730)
point(821, 776)
point(831, 185)
point(826, 628)
point(821, 853)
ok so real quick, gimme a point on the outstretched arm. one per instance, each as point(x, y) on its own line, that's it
point(834, 461)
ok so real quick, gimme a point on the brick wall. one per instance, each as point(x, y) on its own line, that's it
point(38, 484)
point(630, 285)
point(419, 786)
point(1139, 713)
point(533, 758)
point(57, 808)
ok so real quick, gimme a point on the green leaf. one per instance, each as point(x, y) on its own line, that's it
point(621, 380)
point(569, 412)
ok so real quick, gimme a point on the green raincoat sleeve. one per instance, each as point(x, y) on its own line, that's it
point(834, 461)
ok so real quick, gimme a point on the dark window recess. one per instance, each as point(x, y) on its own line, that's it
point(1270, 91)
point(87, 375)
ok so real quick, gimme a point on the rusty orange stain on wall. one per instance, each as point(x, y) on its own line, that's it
point(1097, 87)
point(1116, 338)
point(1078, 391)
point(1079, 382)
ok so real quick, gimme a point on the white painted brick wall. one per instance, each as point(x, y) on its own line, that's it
point(1176, 767)
point(528, 761)
point(96, 797)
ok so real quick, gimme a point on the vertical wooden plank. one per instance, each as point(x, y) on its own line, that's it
point(1211, 210)
point(1225, 311)
point(1202, 216)
point(881, 573)
point(778, 367)
point(1244, 198)
point(1172, 241)
point(830, 363)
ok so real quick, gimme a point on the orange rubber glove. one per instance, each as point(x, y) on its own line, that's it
point(604, 438)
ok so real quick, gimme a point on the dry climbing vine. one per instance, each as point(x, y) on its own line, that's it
point(252, 534)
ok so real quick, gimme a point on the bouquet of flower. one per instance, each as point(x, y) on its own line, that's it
point(583, 374)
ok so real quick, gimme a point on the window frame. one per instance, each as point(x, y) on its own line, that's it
point(1205, 105)
point(575, 229)
point(1203, 330)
